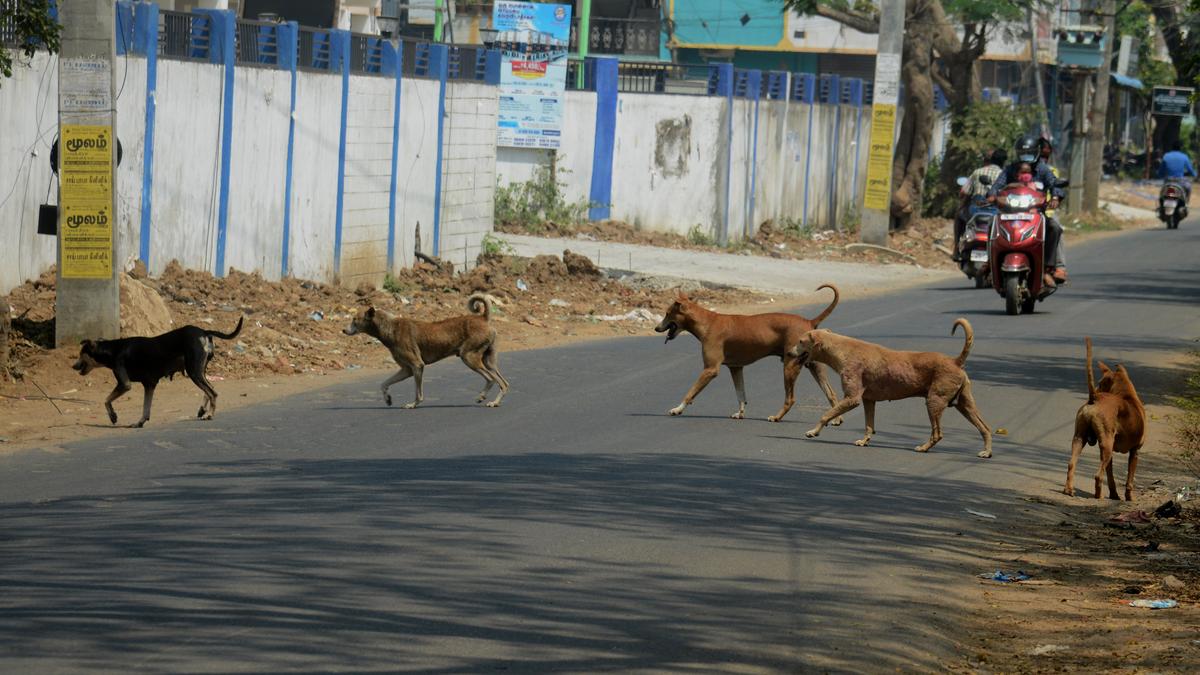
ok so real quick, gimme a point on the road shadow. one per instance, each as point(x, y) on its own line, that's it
point(420, 564)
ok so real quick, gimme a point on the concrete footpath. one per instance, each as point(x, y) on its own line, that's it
point(759, 273)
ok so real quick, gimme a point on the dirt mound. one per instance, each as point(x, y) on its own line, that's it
point(143, 311)
point(580, 265)
point(296, 326)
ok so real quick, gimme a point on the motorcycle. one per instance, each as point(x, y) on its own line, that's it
point(1016, 247)
point(972, 247)
point(1172, 203)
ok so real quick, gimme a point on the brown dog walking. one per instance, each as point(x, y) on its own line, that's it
point(872, 373)
point(415, 344)
point(737, 341)
point(1114, 418)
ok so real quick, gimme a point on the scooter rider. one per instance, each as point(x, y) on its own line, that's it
point(976, 188)
point(1177, 167)
point(1029, 150)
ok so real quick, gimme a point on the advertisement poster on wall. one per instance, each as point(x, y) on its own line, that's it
point(533, 40)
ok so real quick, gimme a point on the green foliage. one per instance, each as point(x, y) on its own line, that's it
point(698, 236)
point(977, 131)
point(491, 245)
point(33, 28)
point(797, 228)
point(1187, 424)
point(1136, 20)
point(391, 285)
point(538, 205)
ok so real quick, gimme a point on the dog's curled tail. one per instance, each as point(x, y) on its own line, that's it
point(1091, 378)
point(828, 310)
point(228, 336)
point(481, 304)
point(962, 358)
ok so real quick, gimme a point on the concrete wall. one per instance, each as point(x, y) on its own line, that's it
point(187, 163)
point(680, 163)
point(468, 170)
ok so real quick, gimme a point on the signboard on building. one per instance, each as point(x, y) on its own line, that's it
point(1172, 101)
point(533, 40)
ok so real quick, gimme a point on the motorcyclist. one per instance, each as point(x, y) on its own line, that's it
point(976, 188)
point(1177, 167)
point(1031, 150)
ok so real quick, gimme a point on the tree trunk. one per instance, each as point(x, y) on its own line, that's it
point(916, 129)
point(1097, 122)
point(5, 332)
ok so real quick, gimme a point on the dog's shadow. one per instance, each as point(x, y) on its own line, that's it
point(849, 443)
point(401, 407)
point(748, 418)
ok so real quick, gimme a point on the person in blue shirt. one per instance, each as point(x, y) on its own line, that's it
point(1177, 166)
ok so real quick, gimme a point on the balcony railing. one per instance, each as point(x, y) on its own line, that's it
point(619, 36)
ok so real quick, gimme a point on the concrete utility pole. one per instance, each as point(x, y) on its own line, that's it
point(1078, 144)
point(88, 298)
point(877, 203)
point(1096, 122)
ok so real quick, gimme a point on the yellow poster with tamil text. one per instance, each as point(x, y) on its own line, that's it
point(879, 161)
point(86, 174)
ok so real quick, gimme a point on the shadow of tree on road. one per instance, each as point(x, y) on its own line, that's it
point(413, 564)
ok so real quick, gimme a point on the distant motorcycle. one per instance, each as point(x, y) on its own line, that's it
point(1172, 203)
point(972, 247)
point(1016, 247)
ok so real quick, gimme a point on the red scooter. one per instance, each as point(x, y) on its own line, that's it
point(1016, 246)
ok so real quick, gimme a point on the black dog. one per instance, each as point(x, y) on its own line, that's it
point(150, 359)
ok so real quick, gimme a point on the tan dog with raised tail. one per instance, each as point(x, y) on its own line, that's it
point(872, 373)
point(1113, 417)
point(416, 344)
point(737, 341)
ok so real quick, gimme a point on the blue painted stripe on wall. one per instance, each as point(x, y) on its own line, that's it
point(748, 228)
point(393, 59)
point(124, 27)
point(223, 26)
point(287, 36)
point(600, 194)
point(439, 63)
point(146, 43)
point(339, 49)
point(727, 75)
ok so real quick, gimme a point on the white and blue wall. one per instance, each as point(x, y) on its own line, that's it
point(320, 169)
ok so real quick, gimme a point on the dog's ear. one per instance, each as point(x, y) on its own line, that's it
point(1103, 367)
point(370, 312)
point(87, 347)
point(681, 296)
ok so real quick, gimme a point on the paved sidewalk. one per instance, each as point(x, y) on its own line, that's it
point(1131, 212)
point(744, 271)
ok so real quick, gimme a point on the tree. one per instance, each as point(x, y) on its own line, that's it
point(934, 52)
point(26, 26)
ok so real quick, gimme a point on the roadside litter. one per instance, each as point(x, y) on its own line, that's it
point(521, 285)
point(1153, 604)
point(639, 314)
point(1004, 578)
point(1042, 650)
point(1169, 509)
point(981, 514)
point(1132, 517)
point(317, 315)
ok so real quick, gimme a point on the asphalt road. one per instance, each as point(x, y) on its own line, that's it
point(578, 528)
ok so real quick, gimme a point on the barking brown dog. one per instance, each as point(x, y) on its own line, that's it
point(873, 373)
point(1115, 418)
point(415, 344)
point(738, 341)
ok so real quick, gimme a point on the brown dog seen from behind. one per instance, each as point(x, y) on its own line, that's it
point(1115, 419)
point(872, 373)
point(416, 344)
point(737, 341)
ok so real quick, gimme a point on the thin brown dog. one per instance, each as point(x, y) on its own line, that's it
point(415, 344)
point(1115, 418)
point(873, 373)
point(738, 341)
